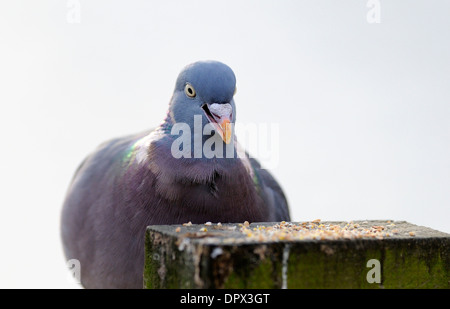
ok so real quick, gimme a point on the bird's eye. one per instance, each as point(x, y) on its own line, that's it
point(189, 90)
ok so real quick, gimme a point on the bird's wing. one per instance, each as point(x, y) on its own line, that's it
point(271, 189)
point(109, 145)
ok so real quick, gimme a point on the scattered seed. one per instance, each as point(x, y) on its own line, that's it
point(309, 230)
point(187, 224)
point(412, 234)
point(178, 229)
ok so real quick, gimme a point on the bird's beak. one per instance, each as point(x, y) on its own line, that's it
point(220, 116)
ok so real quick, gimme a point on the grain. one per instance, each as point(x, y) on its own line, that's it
point(314, 230)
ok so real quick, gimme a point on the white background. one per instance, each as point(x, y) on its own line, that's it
point(363, 109)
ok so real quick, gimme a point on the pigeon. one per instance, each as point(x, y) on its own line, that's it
point(190, 168)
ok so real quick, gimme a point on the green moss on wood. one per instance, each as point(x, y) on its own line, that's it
point(177, 262)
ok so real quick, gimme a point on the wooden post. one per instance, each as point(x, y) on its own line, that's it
point(384, 254)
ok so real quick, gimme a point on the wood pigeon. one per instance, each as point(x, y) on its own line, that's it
point(190, 168)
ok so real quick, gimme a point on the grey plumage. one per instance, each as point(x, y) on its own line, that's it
point(135, 181)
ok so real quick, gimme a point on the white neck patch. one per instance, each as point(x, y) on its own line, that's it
point(142, 145)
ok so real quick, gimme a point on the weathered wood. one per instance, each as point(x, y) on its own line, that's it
point(223, 257)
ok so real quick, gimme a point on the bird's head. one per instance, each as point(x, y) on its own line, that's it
point(206, 89)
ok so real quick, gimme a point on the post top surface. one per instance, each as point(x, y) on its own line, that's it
point(309, 231)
